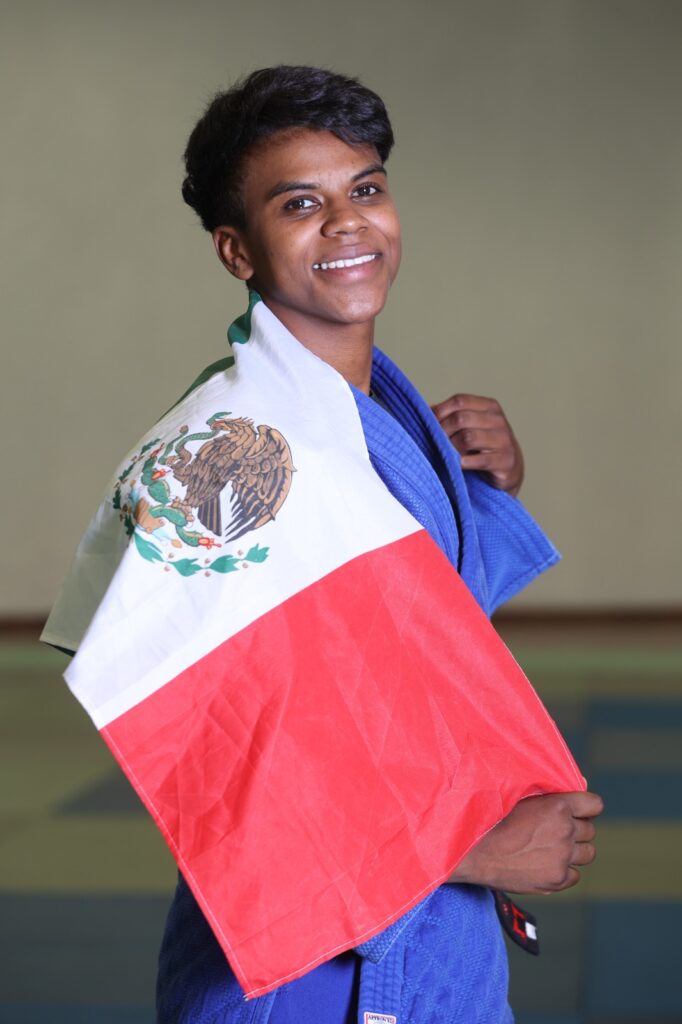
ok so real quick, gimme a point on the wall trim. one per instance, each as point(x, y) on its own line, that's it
point(30, 626)
point(597, 618)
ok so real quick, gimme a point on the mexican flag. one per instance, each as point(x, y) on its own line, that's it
point(302, 691)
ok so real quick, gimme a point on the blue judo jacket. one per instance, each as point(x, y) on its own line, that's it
point(445, 960)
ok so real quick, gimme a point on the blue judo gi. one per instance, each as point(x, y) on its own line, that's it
point(444, 961)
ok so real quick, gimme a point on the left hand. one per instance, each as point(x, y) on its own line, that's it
point(481, 433)
point(537, 848)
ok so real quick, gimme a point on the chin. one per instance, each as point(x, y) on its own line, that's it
point(360, 310)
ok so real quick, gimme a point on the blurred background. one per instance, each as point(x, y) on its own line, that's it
point(538, 171)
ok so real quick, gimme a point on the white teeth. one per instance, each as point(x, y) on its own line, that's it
point(345, 263)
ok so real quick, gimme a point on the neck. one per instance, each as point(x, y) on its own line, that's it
point(345, 347)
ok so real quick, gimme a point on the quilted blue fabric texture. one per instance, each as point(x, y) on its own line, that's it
point(451, 966)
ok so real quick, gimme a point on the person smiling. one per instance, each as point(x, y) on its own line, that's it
point(322, 738)
point(287, 172)
point(321, 248)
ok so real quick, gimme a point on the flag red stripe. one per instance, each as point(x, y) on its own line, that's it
point(326, 767)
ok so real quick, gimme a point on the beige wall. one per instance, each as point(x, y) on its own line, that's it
point(539, 173)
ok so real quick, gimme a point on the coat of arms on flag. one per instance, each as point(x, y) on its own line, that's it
point(253, 464)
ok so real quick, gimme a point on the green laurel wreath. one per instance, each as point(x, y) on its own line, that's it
point(190, 566)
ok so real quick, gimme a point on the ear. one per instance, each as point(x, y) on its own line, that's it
point(232, 252)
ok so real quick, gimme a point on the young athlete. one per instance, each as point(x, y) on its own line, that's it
point(287, 173)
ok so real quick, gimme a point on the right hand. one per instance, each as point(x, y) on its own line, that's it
point(537, 848)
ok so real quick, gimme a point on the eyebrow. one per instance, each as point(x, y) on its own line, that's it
point(295, 186)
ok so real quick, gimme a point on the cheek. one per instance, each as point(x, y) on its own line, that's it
point(272, 249)
point(395, 267)
point(389, 225)
point(288, 256)
point(392, 234)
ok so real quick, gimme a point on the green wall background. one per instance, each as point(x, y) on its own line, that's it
point(539, 175)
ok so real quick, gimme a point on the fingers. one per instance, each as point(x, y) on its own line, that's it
point(477, 439)
point(583, 830)
point(500, 461)
point(502, 469)
point(585, 805)
point(468, 420)
point(459, 402)
point(571, 878)
point(584, 833)
point(456, 419)
point(583, 853)
point(470, 412)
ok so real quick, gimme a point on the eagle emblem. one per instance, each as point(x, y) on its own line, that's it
point(236, 476)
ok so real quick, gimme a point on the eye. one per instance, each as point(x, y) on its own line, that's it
point(366, 190)
point(300, 203)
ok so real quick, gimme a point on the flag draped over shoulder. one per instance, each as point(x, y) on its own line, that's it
point(301, 689)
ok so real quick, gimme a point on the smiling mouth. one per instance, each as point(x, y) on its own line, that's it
point(342, 264)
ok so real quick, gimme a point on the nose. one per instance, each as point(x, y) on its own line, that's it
point(343, 218)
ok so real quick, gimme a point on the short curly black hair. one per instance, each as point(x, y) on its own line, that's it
point(268, 101)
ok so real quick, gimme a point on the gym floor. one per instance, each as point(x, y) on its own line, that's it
point(85, 880)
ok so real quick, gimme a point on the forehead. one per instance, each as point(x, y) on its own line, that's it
point(306, 156)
